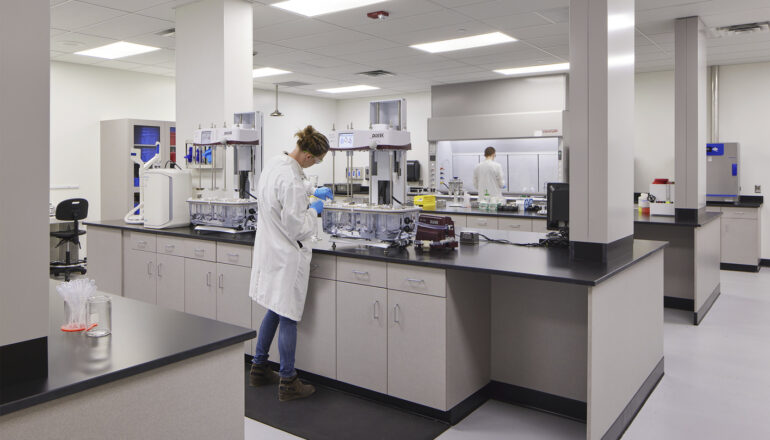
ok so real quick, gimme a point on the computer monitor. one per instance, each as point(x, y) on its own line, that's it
point(558, 206)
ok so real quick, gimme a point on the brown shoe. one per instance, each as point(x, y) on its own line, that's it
point(262, 375)
point(293, 388)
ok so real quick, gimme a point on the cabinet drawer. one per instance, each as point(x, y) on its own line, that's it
point(417, 279)
point(369, 273)
point(750, 213)
point(514, 224)
point(482, 222)
point(713, 209)
point(239, 255)
point(142, 242)
point(171, 246)
point(200, 250)
point(323, 266)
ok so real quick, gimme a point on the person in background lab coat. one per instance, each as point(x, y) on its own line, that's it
point(281, 263)
point(488, 175)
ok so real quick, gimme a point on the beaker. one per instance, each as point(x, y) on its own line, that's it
point(98, 316)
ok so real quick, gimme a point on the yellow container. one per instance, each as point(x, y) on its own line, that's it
point(427, 202)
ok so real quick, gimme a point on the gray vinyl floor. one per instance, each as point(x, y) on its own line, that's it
point(716, 385)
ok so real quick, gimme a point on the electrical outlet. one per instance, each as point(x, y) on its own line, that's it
point(758, 189)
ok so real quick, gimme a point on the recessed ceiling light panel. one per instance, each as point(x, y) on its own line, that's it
point(465, 42)
point(121, 49)
point(311, 8)
point(267, 71)
point(529, 70)
point(358, 88)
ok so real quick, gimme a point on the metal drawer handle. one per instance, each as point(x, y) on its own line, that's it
point(208, 279)
point(415, 281)
point(515, 226)
point(149, 268)
point(141, 244)
point(221, 281)
point(233, 256)
point(170, 247)
point(199, 251)
point(359, 273)
point(376, 314)
point(739, 212)
point(396, 309)
point(160, 266)
point(314, 266)
point(482, 222)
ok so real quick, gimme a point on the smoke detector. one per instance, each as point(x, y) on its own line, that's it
point(378, 15)
point(376, 73)
point(741, 29)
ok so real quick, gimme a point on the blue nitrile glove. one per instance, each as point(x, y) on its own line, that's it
point(324, 193)
point(318, 205)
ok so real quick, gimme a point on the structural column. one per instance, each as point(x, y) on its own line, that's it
point(24, 141)
point(690, 117)
point(214, 44)
point(600, 121)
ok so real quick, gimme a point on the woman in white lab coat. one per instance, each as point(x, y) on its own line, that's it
point(281, 263)
point(488, 175)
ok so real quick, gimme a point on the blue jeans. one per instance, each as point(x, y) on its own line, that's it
point(287, 342)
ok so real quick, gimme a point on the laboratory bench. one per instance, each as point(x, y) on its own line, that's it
point(439, 332)
point(161, 373)
point(692, 259)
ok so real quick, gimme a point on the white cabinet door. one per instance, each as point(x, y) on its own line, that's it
point(362, 336)
point(522, 173)
point(317, 331)
point(462, 168)
point(548, 170)
point(200, 281)
point(170, 275)
point(233, 302)
point(139, 276)
point(481, 221)
point(417, 348)
point(739, 241)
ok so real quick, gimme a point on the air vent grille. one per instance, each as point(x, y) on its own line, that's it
point(376, 73)
point(742, 29)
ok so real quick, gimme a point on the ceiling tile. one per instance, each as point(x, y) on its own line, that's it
point(155, 57)
point(55, 32)
point(297, 29)
point(75, 42)
point(128, 26)
point(78, 59)
point(155, 70)
point(116, 64)
point(392, 28)
point(459, 30)
point(508, 22)
point(398, 9)
point(268, 16)
point(323, 40)
point(154, 40)
point(374, 45)
point(129, 6)
point(382, 54)
point(555, 15)
point(76, 14)
point(499, 8)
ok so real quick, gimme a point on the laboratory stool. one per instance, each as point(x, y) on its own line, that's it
point(70, 210)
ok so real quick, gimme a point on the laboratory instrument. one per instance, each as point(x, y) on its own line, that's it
point(388, 225)
point(166, 191)
point(219, 209)
point(135, 216)
point(722, 179)
point(558, 206)
point(661, 197)
point(455, 190)
point(435, 232)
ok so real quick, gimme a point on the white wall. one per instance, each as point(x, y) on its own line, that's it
point(81, 96)
point(298, 112)
point(744, 90)
point(654, 130)
point(418, 110)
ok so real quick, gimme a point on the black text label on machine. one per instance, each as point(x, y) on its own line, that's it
point(378, 135)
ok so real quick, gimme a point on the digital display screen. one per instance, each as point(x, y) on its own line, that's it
point(345, 140)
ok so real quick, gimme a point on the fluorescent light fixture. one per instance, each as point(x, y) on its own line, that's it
point(359, 88)
point(311, 8)
point(561, 67)
point(465, 42)
point(267, 71)
point(121, 49)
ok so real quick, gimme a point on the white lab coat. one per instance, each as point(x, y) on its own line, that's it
point(281, 266)
point(488, 177)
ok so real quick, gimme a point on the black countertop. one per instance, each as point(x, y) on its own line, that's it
point(476, 211)
point(703, 219)
point(552, 264)
point(144, 337)
point(246, 238)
